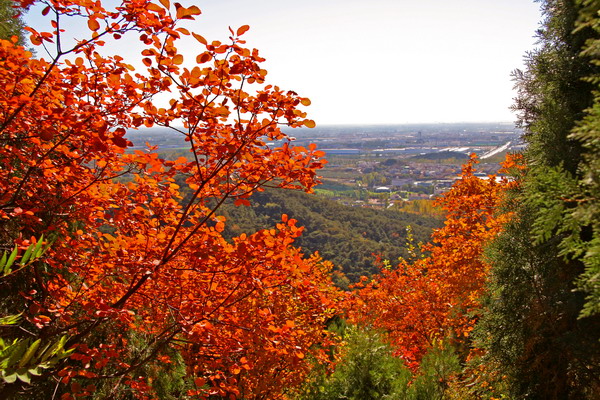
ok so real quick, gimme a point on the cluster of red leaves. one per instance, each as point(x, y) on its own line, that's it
point(137, 244)
point(437, 295)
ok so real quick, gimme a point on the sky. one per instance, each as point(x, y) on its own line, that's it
point(386, 61)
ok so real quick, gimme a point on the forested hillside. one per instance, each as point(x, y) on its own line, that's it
point(350, 237)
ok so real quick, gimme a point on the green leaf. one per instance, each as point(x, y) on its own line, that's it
point(51, 351)
point(10, 319)
point(27, 254)
point(30, 352)
point(40, 249)
point(23, 375)
point(18, 350)
point(3, 261)
point(58, 349)
point(42, 350)
point(11, 259)
point(10, 378)
point(35, 371)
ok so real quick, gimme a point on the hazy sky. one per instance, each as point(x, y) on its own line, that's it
point(386, 61)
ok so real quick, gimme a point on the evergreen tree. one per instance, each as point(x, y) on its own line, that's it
point(585, 242)
point(11, 23)
point(533, 328)
point(368, 370)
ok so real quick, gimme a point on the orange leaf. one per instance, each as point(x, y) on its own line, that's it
point(309, 123)
point(93, 24)
point(154, 7)
point(202, 58)
point(187, 13)
point(199, 38)
point(178, 59)
point(242, 29)
point(35, 40)
point(193, 10)
point(199, 381)
point(241, 202)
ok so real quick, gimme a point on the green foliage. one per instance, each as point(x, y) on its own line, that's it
point(347, 236)
point(367, 370)
point(552, 94)
point(334, 186)
point(11, 23)
point(585, 242)
point(530, 328)
point(537, 329)
point(547, 189)
point(24, 358)
point(166, 373)
point(31, 254)
point(421, 207)
point(437, 367)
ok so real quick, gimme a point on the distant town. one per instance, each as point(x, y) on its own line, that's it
point(382, 166)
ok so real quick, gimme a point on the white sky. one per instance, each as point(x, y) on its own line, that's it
point(386, 61)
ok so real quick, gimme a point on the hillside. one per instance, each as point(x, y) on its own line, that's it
point(347, 236)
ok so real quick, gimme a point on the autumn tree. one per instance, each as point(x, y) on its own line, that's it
point(437, 295)
point(136, 272)
point(541, 324)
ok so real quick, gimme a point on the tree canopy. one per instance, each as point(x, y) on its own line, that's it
point(542, 324)
point(111, 267)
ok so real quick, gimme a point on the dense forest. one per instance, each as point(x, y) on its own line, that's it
point(124, 275)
